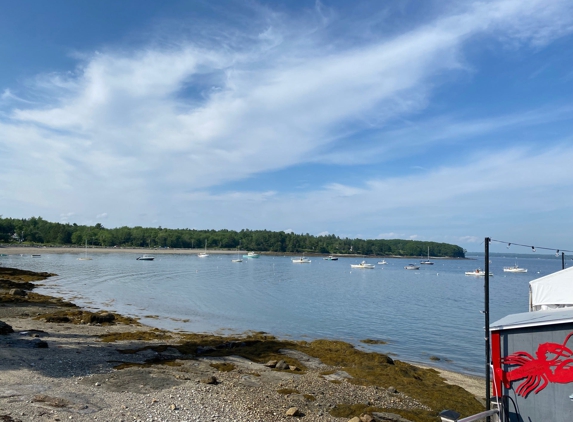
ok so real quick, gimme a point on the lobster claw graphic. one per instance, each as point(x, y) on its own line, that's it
point(553, 363)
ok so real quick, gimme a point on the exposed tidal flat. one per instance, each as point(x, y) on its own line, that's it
point(430, 316)
point(59, 361)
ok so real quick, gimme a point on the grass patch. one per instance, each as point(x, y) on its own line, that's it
point(223, 367)
point(286, 391)
point(372, 341)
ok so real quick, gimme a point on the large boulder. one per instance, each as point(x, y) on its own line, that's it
point(102, 318)
point(5, 328)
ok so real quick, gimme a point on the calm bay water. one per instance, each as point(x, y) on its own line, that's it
point(434, 311)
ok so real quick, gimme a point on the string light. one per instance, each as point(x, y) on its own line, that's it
point(533, 248)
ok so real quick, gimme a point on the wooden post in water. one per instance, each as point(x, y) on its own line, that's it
point(486, 314)
point(562, 260)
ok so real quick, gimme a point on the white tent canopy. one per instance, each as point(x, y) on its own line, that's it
point(552, 291)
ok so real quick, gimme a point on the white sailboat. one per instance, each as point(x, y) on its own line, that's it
point(427, 262)
point(204, 254)
point(238, 259)
point(85, 257)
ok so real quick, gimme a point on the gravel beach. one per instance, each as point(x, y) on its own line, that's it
point(61, 370)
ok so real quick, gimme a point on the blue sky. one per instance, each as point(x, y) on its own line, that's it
point(441, 121)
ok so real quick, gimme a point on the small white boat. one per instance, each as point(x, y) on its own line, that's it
point(85, 257)
point(330, 258)
point(477, 272)
point(238, 259)
point(204, 254)
point(427, 261)
point(251, 255)
point(412, 267)
point(383, 262)
point(514, 269)
point(146, 258)
point(364, 265)
point(301, 260)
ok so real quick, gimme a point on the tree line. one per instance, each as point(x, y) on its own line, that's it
point(36, 230)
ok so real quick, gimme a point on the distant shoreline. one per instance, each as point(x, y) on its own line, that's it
point(35, 250)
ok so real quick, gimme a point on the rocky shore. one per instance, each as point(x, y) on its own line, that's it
point(59, 362)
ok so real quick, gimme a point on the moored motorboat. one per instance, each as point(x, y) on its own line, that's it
point(412, 267)
point(301, 260)
point(477, 272)
point(383, 262)
point(514, 269)
point(364, 265)
point(251, 255)
point(331, 258)
point(145, 258)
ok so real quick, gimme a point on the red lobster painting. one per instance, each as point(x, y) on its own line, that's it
point(554, 363)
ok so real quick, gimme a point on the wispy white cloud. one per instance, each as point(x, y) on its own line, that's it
point(7, 95)
point(154, 129)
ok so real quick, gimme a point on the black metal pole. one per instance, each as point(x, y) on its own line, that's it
point(486, 314)
point(562, 260)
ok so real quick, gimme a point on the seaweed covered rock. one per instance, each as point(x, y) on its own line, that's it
point(5, 328)
point(102, 318)
point(17, 292)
